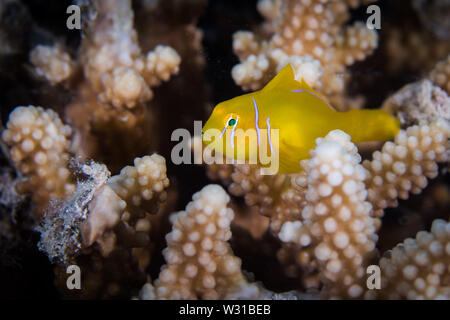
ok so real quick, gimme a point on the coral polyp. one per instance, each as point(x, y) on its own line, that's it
point(96, 150)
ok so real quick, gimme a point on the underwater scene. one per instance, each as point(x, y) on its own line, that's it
point(225, 149)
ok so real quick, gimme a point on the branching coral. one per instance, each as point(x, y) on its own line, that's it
point(53, 63)
point(311, 36)
point(275, 196)
point(418, 101)
point(112, 82)
point(416, 151)
point(61, 227)
point(320, 226)
point(403, 166)
point(111, 58)
point(97, 228)
point(200, 263)
point(116, 68)
point(143, 188)
point(39, 148)
point(336, 221)
point(419, 268)
point(440, 75)
point(110, 212)
point(142, 185)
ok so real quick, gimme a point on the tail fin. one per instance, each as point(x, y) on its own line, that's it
point(370, 125)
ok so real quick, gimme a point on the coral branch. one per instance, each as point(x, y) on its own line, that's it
point(418, 101)
point(53, 63)
point(418, 268)
point(403, 166)
point(275, 196)
point(440, 75)
point(200, 263)
point(112, 57)
point(98, 229)
point(142, 186)
point(311, 36)
point(337, 222)
point(39, 148)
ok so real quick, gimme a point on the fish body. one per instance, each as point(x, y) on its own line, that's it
point(300, 114)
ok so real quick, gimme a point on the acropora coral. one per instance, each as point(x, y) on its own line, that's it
point(86, 170)
point(313, 37)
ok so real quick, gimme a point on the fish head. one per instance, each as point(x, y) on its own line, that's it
point(227, 119)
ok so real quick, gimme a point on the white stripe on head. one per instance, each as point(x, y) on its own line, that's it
point(226, 124)
point(232, 133)
point(256, 119)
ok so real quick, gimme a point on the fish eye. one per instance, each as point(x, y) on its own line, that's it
point(232, 120)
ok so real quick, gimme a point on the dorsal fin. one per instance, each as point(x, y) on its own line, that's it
point(284, 80)
point(305, 86)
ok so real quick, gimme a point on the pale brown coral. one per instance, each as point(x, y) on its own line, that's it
point(336, 221)
point(112, 104)
point(104, 213)
point(418, 101)
point(99, 231)
point(200, 262)
point(119, 209)
point(62, 226)
point(275, 196)
point(98, 129)
point(52, 62)
point(40, 150)
point(304, 29)
point(418, 268)
point(142, 186)
point(269, 9)
point(279, 197)
point(112, 58)
point(440, 74)
point(403, 166)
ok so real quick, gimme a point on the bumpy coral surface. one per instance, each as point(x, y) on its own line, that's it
point(419, 101)
point(99, 228)
point(403, 166)
point(113, 62)
point(200, 263)
point(39, 148)
point(441, 74)
point(88, 180)
point(53, 63)
point(311, 36)
point(142, 186)
point(275, 196)
point(419, 268)
point(336, 219)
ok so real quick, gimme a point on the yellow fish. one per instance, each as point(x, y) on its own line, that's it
point(300, 114)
